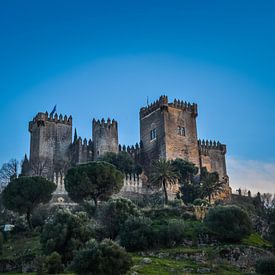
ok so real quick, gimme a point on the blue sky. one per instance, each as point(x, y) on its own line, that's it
point(103, 60)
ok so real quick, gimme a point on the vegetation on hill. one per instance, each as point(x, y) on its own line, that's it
point(106, 234)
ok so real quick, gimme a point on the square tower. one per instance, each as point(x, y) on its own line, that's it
point(169, 130)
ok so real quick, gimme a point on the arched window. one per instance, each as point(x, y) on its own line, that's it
point(181, 131)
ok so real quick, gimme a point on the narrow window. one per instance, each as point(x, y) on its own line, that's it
point(181, 131)
point(153, 134)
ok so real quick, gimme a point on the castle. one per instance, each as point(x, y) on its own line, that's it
point(167, 130)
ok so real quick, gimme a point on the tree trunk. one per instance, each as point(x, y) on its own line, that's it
point(165, 192)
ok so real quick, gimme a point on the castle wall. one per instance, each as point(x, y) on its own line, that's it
point(181, 133)
point(50, 142)
point(212, 156)
point(82, 152)
point(155, 148)
point(105, 137)
point(176, 129)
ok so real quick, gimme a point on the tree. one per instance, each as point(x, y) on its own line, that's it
point(228, 223)
point(189, 187)
point(122, 161)
point(65, 232)
point(24, 194)
point(210, 183)
point(102, 258)
point(163, 174)
point(114, 214)
point(93, 181)
point(136, 234)
point(8, 171)
point(54, 263)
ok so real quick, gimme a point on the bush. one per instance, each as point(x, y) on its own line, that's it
point(169, 234)
point(114, 214)
point(54, 263)
point(40, 215)
point(266, 266)
point(136, 233)
point(228, 223)
point(65, 232)
point(102, 258)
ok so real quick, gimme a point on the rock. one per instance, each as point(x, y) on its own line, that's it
point(146, 261)
point(203, 270)
point(134, 273)
point(163, 255)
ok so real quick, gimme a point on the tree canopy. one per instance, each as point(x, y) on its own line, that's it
point(163, 174)
point(95, 181)
point(189, 188)
point(123, 162)
point(23, 194)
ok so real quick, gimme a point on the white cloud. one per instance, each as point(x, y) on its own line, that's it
point(251, 175)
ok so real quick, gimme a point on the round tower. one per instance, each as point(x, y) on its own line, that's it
point(105, 137)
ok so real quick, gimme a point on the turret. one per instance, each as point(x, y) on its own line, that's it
point(105, 137)
point(51, 137)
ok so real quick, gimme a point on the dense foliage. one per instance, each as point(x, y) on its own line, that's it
point(266, 266)
point(54, 263)
point(163, 175)
point(228, 223)
point(24, 194)
point(102, 258)
point(96, 180)
point(65, 232)
point(114, 214)
point(136, 233)
point(122, 161)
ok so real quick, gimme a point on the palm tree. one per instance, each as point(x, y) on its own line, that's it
point(210, 183)
point(163, 174)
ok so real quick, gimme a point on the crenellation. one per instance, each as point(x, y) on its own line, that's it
point(167, 130)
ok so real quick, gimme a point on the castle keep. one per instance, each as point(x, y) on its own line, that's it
point(167, 130)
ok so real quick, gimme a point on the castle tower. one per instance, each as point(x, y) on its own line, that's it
point(169, 130)
point(105, 137)
point(50, 142)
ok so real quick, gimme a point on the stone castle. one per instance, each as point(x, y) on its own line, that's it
point(167, 130)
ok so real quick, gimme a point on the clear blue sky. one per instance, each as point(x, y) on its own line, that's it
point(103, 58)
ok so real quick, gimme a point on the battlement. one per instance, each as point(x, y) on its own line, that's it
point(84, 142)
point(105, 124)
point(163, 102)
point(186, 106)
point(205, 145)
point(130, 149)
point(41, 118)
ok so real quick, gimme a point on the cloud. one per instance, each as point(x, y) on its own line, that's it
point(257, 176)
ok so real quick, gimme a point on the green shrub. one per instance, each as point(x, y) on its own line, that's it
point(228, 223)
point(266, 266)
point(114, 214)
point(65, 232)
point(136, 233)
point(40, 215)
point(169, 233)
point(54, 263)
point(102, 258)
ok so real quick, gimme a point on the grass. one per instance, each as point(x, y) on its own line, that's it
point(19, 245)
point(257, 241)
point(170, 265)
